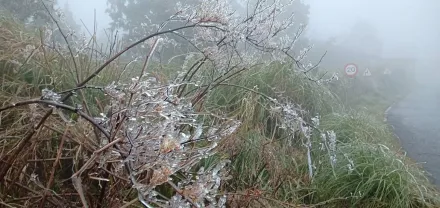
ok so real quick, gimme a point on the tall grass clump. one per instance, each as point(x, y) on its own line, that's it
point(266, 157)
point(262, 154)
point(355, 125)
point(376, 93)
point(373, 175)
point(17, 48)
point(366, 168)
point(276, 80)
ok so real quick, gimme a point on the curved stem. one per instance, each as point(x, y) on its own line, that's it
point(97, 71)
point(62, 106)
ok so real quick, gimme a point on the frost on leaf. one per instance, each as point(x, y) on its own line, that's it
point(205, 186)
point(329, 139)
point(155, 133)
point(50, 95)
point(162, 135)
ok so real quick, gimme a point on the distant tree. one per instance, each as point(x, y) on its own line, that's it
point(28, 11)
point(363, 37)
point(297, 12)
point(135, 18)
point(66, 23)
point(361, 46)
point(34, 14)
point(138, 17)
point(69, 18)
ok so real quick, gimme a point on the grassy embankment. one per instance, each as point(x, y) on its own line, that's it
point(267, 169)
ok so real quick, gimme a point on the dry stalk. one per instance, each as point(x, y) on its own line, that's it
point(54, 166)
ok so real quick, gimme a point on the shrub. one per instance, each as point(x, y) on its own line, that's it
point(372, 175)
point(143, 138)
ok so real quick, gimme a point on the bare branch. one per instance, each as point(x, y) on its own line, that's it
point(62, 106)
point(65, 39)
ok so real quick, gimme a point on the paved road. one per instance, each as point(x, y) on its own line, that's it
point(416, 121)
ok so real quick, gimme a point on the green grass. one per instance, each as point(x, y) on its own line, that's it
point(263, 156)
point(383, 176)
point(358, 126)
point(278, 80)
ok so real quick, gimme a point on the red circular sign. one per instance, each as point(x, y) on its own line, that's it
point(351, 70)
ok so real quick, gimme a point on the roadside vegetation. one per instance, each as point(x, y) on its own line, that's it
point(83, 124)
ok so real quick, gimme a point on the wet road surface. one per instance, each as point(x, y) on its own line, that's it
point(416, 121)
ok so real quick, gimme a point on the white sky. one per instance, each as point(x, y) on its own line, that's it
point(84, 10)
point(405, 26)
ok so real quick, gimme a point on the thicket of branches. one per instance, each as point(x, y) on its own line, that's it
point(147, 135)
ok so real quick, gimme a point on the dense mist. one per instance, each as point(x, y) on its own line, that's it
point(405, 28)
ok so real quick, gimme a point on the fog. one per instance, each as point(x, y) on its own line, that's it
point(400, 24)
point(85, 9)
point(406, 28)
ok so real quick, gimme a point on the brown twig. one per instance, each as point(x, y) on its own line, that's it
point(65, 39)
point(7, 160)
point(52, 201)
point(54, 165)
point(38, 196)
point(104, 187)
point(128, 204)
point(179, 90)
point(131, 46)
point(50, 159)
point(109, 165)
point(62, 106)
point(82, 87)
point(181, 193)
point(6, 205)
point(148, 58)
